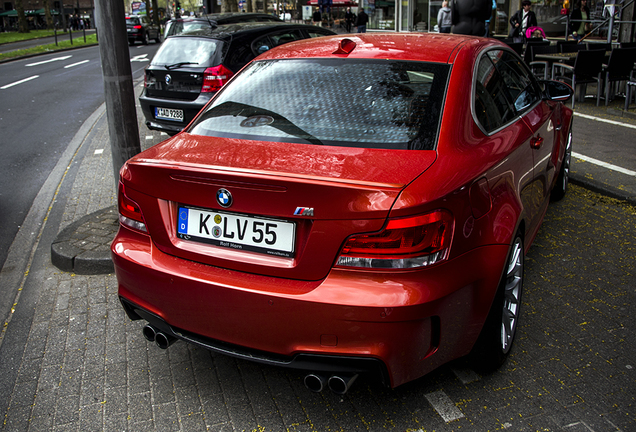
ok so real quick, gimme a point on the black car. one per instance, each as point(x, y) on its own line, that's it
point(188, 69)
point(180, 25)
point(141, 28)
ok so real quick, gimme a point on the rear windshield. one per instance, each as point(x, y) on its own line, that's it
point(133, 21)
point(339, 102)
point(187, 52)
point(178, 27)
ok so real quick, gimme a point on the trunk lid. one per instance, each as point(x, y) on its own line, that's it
point(349, 190)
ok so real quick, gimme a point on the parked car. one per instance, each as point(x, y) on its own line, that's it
point(349, 204)
point(180, 25)
point(141, 28)
point(189, 68)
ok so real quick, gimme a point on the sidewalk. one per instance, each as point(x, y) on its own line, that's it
point(86, 366)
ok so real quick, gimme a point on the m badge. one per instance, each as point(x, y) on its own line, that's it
point(304, 211)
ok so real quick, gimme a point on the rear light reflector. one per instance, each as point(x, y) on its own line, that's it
point(404, 243)
point(215, 77)
point(129, 212)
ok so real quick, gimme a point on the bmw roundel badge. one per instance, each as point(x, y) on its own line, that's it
point(224, 198)
point(168, 79)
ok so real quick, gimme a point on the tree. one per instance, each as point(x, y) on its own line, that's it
point(23, 26)
point(47, 14)
point(155, 12)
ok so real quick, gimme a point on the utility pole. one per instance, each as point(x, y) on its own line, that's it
point(118, 83)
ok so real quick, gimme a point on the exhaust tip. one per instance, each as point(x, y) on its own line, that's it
point(163, 341)
point(149, 333)
point(315, 383)
point(341, 384)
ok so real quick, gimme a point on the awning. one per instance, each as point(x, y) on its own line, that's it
point(14, 13)
point(336, 3)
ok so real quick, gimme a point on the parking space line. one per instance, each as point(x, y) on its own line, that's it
point(466, 376)
point(444, 406)
point(19, 82)
point(602, 120)
point(604, 164)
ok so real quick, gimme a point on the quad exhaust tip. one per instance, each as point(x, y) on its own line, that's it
point(338, 384)
point(162, 340)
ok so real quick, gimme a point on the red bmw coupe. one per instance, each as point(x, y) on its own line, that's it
point(349, 204)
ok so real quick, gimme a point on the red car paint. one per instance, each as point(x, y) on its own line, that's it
point(410, 320)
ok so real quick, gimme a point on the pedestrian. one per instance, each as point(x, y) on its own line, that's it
point(490, 18)
point(469, 16)
point(350, 18)
point(578, 20)
point(444, 18)
point(317, 17)
point(362, 21)
point(521, 21)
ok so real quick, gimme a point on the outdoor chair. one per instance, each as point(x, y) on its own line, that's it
point(516, 46)
point(575, 47)
point(527, 55)
point(560, 43)
point(599, 46)
point(541, 68)
point(618, 68)
point(587, 69)
point(628, 92)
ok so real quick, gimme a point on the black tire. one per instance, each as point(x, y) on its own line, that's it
point(561, 185)
point(158, 38)
point(131, 42)
point(497, 336)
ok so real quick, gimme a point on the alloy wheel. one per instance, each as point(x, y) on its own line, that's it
point(512, 296)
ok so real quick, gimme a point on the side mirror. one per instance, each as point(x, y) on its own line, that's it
point(261, 49)
point(557, 90)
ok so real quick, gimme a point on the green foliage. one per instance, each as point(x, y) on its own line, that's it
point(63, 43)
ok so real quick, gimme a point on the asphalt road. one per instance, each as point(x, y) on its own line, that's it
point(45, 100)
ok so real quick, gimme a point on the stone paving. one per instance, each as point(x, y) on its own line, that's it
point(75, 362)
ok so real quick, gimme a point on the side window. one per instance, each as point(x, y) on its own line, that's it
point(519, 82)
point(492, 107)
point(285, 37)
point(313, 34)
point(260, 45)
point(239, 56)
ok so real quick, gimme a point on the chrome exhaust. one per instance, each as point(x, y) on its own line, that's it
point(315, 383)
point(149, 333)
point(341, 384)
point(163, 340)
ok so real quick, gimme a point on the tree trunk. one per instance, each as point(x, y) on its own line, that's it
point(23, 25)
point(155, 12)
point(47, 14)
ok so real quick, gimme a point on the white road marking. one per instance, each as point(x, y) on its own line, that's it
point(140, 58)
point(99, 151)
point(600, 162)
point(602, 120)
point(76, 64)
point(466, 376)
point(604, 164)
point(444, 406)
point(49, 61)
point(19, 82)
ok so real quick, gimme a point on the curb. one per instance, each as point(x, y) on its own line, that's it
point(83, 247)
point(602, 189)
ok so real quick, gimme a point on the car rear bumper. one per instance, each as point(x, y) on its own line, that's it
point(400, 325)
point(190, 110)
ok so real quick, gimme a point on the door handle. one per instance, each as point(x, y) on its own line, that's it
point(536, 142)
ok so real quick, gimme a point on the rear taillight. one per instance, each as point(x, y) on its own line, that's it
point(404, 243)
point(215, 77)
point(129, 212)
point(137, 27)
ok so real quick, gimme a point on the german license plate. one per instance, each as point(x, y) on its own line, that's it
point(235, 231)
point(169, 114)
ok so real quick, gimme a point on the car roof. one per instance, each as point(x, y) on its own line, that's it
point(431, 47)
point(223, 31)
point(228, 15)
